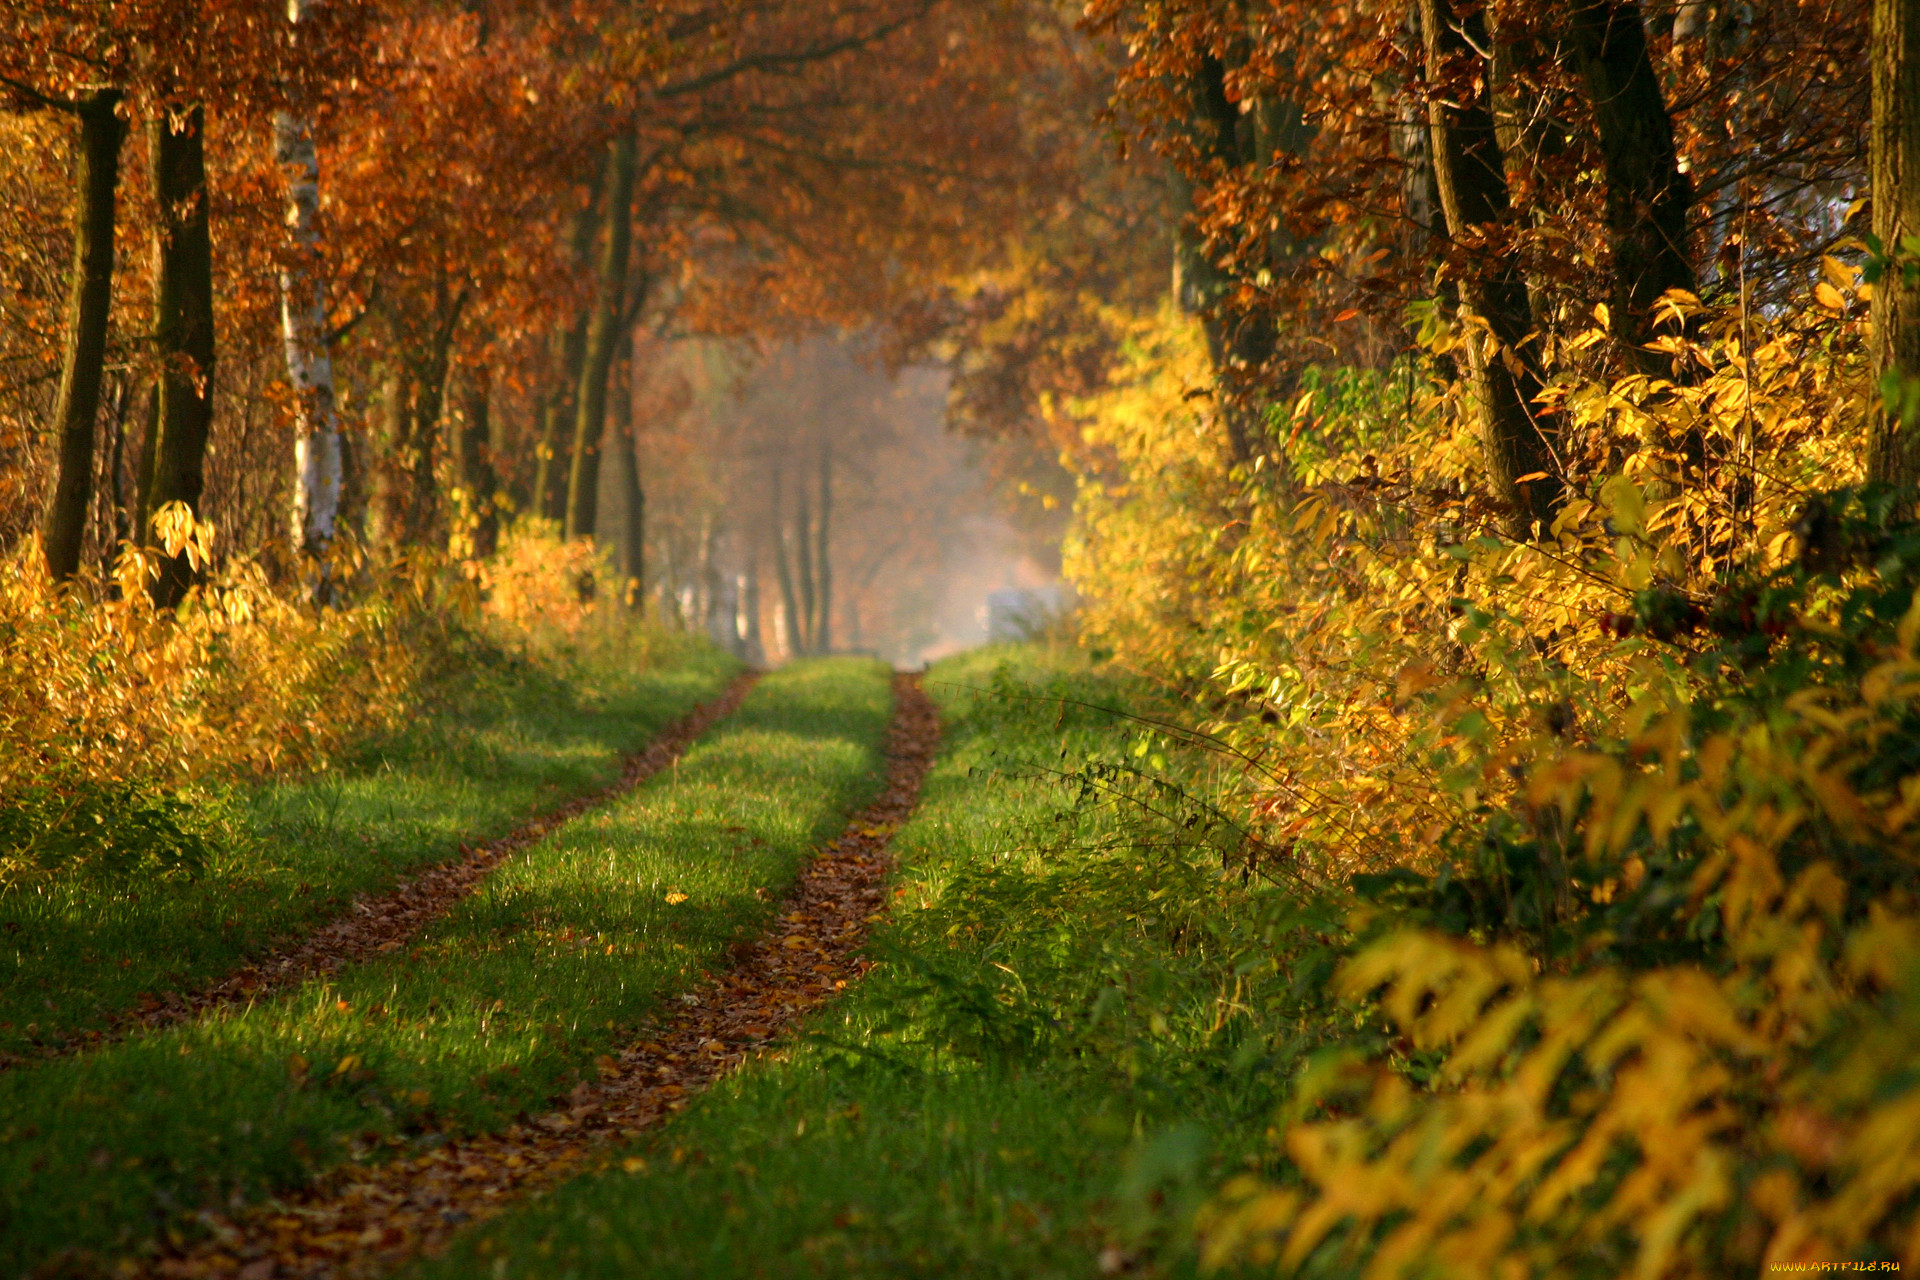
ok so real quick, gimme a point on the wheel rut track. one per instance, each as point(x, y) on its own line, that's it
point(374, 925)
point(362, 1221)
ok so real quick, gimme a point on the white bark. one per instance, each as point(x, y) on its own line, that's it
point(303, 328)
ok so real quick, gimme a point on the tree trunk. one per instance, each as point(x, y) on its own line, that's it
point(1893, 436)
point(1648, 197)
point(633, 500)
point(390, 457)
point(317, 461)
point(89, 298)
point(556, 421)
point(1238, 344)
point(474, 461)
point(753, 645)
point(823, 563)
point(569, 349)
point(803, 565)
point(603, 334)
point(1470, 173)
point(789, 597)
point(509, 486)
point(183, 338)
point(428, 405)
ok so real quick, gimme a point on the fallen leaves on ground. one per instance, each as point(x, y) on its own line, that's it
point(361, 1220)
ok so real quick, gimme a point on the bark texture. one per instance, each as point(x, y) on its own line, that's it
point(1470, 173)
point(90, 295)
point(176, 450)
point(1648, 197)
point(603, 336)
point(1893, 445)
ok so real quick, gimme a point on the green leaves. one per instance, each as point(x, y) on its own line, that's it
point(103, 830)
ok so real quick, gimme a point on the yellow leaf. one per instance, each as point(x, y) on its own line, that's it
point(1626, 505)
point(1838, 273)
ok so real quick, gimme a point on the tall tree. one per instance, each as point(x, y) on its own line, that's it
point(567, 354)
point(303, 327)
point(96, 184)
point(174, 467)
point(603, 336)
point(791, 615)
point(1893, 441)
point(1470, 172)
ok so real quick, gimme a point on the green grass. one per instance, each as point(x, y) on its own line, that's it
point(1047, 1065)
point(509, 740)
point(563, 955)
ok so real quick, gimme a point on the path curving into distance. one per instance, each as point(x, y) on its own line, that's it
point(362, 1221)
point(374, 925)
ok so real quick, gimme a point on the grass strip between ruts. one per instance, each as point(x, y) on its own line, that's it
point(920, 1127)
point(71, 956)
point(501, 1006)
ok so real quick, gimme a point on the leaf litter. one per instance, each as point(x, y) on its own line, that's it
point(364, 1219)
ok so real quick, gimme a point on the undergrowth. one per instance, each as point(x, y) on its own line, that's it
point(129, 877)
point(116, 718)
point(1606, 836)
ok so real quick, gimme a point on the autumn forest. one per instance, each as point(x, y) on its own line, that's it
point(703, 638)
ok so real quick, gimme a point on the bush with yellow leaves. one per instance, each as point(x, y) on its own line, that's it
point(1619, 823)
point(108, 707)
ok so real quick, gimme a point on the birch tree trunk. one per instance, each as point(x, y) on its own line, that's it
point(176, 450)
point(89, 298)
point(1893, 436)
point(1470, 172)
point(603, 335)
point(303, 330)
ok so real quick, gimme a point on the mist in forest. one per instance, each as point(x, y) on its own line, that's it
point(802, 498)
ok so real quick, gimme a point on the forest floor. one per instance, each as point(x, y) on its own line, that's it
point(810, 1001)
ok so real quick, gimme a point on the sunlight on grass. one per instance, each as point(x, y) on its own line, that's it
point(75, 953)
point(499, 1006)
point(975, 1107)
